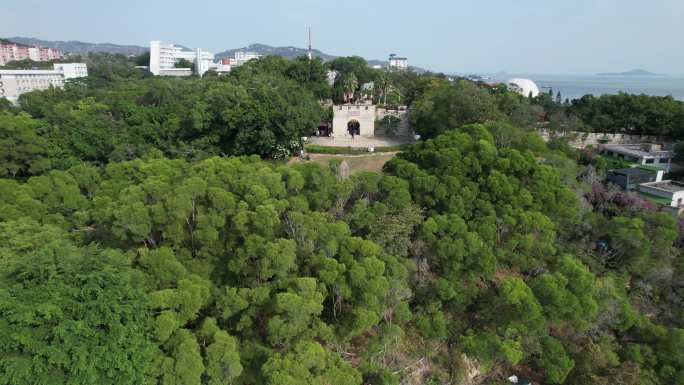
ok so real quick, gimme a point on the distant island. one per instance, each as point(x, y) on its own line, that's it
point(636, 72)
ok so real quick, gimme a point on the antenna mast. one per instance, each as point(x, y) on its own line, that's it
point(310, 54)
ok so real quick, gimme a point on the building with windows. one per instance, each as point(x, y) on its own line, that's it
point(15, 52)
point(16, 82)
point(242, 57)
point(630, 178)
point(398, 63)
point(72, 70)
point(163, 59)
point(646, 154)
point(669, 192)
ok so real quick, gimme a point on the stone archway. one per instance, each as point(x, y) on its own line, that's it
point(354, 127)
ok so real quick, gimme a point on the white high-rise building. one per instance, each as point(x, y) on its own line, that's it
point(16, 82)
point(163, 59)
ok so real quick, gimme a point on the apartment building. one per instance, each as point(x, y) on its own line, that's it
point(14, 52)
point(16, 82)
point(163, 59)
point(398, 63)
point(242, 57)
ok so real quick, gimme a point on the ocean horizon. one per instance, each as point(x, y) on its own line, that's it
point(576, 86)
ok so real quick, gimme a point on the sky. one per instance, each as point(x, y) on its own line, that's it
point(452, 36)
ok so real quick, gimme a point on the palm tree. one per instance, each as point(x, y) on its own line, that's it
point(350, 84)
point(383, 85)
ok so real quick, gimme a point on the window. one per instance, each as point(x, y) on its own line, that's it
point(664, 160)
point(650, 161)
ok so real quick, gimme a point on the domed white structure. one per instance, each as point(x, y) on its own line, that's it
point(524, 87)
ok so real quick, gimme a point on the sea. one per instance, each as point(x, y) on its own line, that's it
point(576, 86)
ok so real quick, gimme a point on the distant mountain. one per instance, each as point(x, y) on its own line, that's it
point(262, 49)
point(266, 50)
point(80, 46)
point(635, 72)
point(7, 41)
point(293, 52)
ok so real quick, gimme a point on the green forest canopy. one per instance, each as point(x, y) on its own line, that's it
point(234, 270)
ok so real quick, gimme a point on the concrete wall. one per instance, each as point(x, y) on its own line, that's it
point(176, 72)
point(584, 139)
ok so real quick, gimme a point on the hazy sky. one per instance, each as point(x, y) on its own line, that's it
point(517, 36)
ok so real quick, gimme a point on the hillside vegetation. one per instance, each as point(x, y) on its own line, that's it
point(149, 234)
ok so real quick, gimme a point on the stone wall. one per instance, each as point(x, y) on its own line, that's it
point(367, 115)
point(583, 139)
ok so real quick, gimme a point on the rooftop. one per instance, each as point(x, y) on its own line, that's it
point(631, 171)
point(30, 72)
point(636, 150)
point(666, 185)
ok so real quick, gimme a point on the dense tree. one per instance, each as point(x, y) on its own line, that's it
point(132, 253)
point(554, 360)
point(309, 363)
point(257, 114)
point(264, 115)
point(183, 63)
point(631, 114)
point(351, 73)
point(310, 74)
point(69, 315)
point(24, 150)
point(444, 106)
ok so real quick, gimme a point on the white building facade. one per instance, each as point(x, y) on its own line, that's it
point(398, 63)
point(16, 82)
point(72, 70)
point(242, 57)
point(163, 59)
